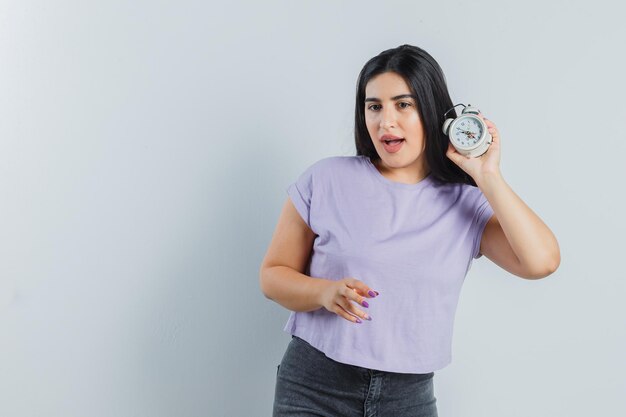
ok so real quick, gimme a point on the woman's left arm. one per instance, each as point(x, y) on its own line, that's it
point(515, 238)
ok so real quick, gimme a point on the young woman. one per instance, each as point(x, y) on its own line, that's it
point(370, 251)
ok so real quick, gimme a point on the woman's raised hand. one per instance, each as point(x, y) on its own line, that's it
point(338, 296)
point(486, 164)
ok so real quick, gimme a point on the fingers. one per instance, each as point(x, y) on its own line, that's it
point(361, 288)
point(352, 294)
point(343, 308)
point(350, 312)
point(353, 291)
point(491, 127)
point(340, 311)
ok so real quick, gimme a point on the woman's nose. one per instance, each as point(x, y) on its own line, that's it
point(388, 121)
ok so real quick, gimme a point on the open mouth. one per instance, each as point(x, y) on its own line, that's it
point(393, 145)
point(393, 142)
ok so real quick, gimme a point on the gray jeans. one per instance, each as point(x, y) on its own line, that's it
point(308, 383)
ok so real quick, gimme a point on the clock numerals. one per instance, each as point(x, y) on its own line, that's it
point(468, 132)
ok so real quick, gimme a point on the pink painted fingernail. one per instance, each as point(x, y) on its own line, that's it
point(372, 293)
point(358, 320)
point(365, 304)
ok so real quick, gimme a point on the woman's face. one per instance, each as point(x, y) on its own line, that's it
point(390, 109)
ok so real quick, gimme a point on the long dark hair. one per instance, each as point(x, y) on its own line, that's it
point(425, 78)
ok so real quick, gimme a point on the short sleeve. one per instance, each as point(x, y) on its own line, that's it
point(482, 215)
point(301, 193)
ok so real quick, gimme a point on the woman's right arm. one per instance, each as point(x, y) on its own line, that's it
point(281, 275)
point(283, 280)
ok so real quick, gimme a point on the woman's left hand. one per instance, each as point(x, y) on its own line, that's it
point(488, 163)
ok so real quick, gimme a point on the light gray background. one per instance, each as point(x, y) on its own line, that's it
point(145, 149)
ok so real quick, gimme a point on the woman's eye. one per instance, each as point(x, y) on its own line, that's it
point(402, 105)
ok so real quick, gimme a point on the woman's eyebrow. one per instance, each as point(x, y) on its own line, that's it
point(393, 98)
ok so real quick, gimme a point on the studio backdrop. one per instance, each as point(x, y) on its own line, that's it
point(145, 152)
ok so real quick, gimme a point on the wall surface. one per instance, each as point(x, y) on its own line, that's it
point(145, 150)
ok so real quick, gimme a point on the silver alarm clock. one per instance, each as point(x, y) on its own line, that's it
point(468, 133)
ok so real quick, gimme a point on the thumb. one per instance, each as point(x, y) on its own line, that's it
point(453, 155)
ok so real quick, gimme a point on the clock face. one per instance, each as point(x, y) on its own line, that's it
point(466, 131)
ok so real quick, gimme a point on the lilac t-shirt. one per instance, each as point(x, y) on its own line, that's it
point(413, 243)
